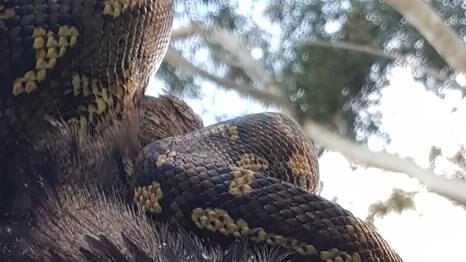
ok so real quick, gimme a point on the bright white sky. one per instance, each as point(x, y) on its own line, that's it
point(415, 120)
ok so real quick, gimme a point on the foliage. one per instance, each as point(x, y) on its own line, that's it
point(332, 85)
point(399, 201)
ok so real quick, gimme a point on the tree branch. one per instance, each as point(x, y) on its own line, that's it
point(350, 47)
point(233, 45)
point(344, 45)
point(452, 189)
point(181, 63)
point(183, 32)
point(441, 36)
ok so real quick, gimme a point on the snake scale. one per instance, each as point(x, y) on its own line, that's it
point(254, 177)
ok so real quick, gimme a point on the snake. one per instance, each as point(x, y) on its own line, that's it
point(254, 177)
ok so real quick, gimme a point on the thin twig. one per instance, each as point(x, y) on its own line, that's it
point(180, 62)
point(374, 51)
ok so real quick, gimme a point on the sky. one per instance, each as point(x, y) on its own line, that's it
point(435, 230)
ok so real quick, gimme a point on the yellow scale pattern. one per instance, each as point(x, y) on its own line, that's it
point(282, 125)
point(168, 157)
point(252, 162)
point(85, 86)
point(242, 178)
point(299, 165)
point(147, 197)
point(243, 173)
point(49, 46)
point(218, 220)
point(116, 7)
point(7, 14)
point(358, 232)
point(227, 131)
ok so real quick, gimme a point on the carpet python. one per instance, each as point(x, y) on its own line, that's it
point(255, 177)
point(82, 60)
point(252, 177)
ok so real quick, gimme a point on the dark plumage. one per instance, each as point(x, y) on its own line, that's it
point(82, 224)
point(65, 198)
point(165, 117)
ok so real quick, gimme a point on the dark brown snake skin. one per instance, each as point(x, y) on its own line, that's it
point(82, 60)
point(254, 177)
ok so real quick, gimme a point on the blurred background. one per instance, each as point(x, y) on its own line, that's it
point(378, 85)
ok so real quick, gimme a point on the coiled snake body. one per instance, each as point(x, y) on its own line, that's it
point(254, 177)
point(82, 60)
